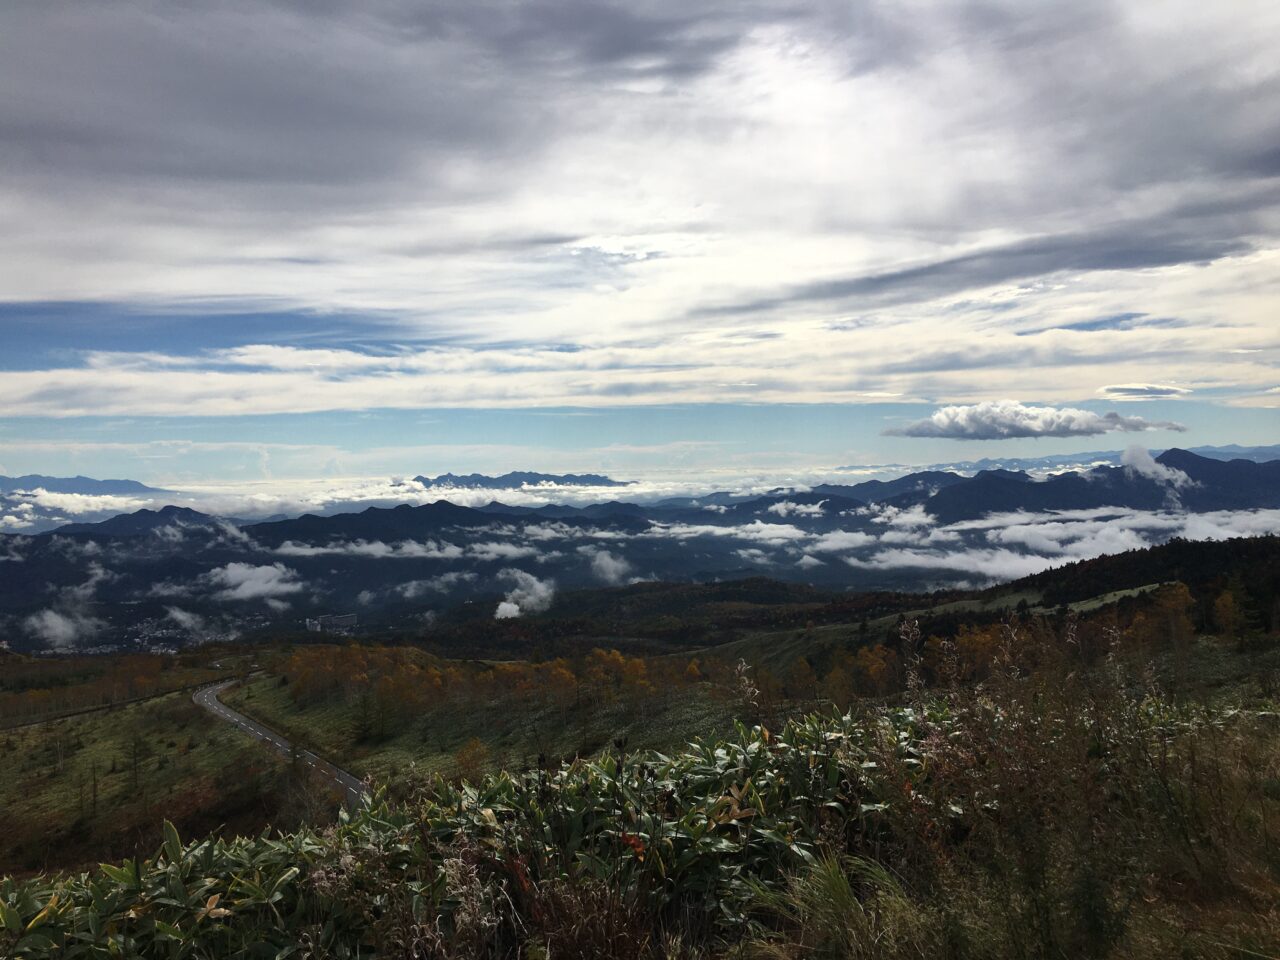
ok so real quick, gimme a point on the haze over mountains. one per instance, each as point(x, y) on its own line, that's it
point(519, 478)
point(36, 503)
point(175, 574)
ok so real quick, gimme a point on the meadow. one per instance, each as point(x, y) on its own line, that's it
point(97, 786)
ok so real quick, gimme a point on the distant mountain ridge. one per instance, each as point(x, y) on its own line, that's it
point(1208, 484)
point(519, 478)
point(1066, 461)
point(81, 485)
point(142, 522)
point(870, 491)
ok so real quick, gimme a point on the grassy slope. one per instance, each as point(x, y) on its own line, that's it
point(74, 690)
point(46, 805)
point(514, 733)
point(776, 649)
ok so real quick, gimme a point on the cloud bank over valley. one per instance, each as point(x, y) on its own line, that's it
point(408, 564)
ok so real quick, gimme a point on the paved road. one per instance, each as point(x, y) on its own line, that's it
point(207, 697)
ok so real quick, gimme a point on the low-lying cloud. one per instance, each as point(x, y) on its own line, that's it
point(497, 550)
point(527, 595)
point(374, 549)
point(442, 584)
point(607, 566)
point(1011, 545)
point(1137, 460)
point(246, 581)
point(192, 623)
point(788, 508)
point(987, 564)
point(63, 629)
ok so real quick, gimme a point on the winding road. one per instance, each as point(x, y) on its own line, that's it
point(207, 697)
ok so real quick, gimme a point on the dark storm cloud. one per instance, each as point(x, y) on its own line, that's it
point(314, 96)
point(142, 92)
point(329, 105)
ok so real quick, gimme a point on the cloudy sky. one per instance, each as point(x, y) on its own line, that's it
point(304, 238)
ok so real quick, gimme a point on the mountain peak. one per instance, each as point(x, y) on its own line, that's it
point(1176, 457)
point(142, 521)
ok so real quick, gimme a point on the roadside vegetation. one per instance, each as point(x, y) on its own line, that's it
point(33, 689)
point(97, 786)
point(395, 714)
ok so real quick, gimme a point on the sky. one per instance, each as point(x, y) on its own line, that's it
point(305, 239)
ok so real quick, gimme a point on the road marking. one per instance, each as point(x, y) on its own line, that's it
point(208, 698)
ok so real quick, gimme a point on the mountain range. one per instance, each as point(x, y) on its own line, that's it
point(1072, 461)
point(86, 486)
point(1177, 479)
point(170, 575)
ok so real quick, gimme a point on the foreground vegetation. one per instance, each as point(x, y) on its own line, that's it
point(1067, 804)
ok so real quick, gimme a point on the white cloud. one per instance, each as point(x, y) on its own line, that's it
point(808, 562)
point(19, 518)
point(987, 564)
point(547, 531)
point(527, 595)
point(608, 567)
point(374, 549)
point(1225, 524)
point(62, 630)
point(1137, 460)
point(441, 584)
point(1079, 540)
point(84, 592)
point(81, 504)
point(494, 550)
point(1068, 535)
point(191, 622)
point(770, 534)
point(841, 540)
point(787, 508)
point(1005, 419)
point(245, 581)
point(903, 518)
